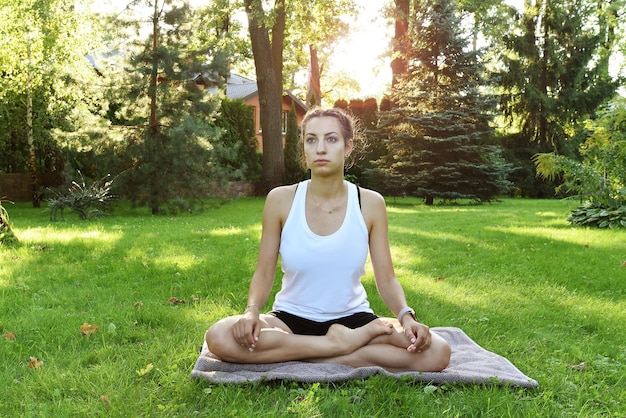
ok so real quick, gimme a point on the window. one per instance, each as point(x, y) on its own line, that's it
point(284, 122)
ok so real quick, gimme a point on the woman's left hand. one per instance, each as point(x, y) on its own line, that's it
point(417, 333)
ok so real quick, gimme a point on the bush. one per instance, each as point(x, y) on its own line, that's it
point(87, 200)
point(598, 215)
point(7, 236)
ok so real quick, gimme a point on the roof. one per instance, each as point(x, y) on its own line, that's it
point(240, 87)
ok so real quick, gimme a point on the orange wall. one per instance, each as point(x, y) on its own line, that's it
point(254, 102)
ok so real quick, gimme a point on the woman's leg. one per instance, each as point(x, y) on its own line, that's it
point(394, 358)
point(277, 343)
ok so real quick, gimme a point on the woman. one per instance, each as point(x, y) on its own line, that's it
point(323, 228)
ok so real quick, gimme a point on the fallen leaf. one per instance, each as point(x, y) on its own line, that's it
point(175, 301)
point(88, 329)
point(138, 304)
point(430, 389)
point(624, 263)
point(580, 366)
point(10, 336)
point(33, 363)
point(105, 399)
point(440, 279)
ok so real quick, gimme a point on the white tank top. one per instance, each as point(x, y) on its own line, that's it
point(322, 274)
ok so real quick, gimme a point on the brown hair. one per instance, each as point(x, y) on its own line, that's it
point(349, 125)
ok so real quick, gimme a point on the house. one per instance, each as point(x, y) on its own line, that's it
point(240, 87)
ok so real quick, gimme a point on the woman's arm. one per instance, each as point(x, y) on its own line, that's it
point(388, 285)
point(277, 206)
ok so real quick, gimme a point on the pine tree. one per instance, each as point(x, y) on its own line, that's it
point(172, 148)
point(438, 131)
point(555, 66)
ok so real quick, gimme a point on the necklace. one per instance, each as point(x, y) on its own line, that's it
point(335, 204)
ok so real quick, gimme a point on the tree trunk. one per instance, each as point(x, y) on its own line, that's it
point(314, 88)
point(153, 130)
point(34, 183)
point(399, 65)
point(270, 96)
point(542, 131)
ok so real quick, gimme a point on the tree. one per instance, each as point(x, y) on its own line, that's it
point(42, 88)
point(268, 55)
point(172, 149)
point(555, 66)
point(318, 26)
point(437, 132)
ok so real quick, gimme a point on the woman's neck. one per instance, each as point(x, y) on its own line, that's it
point(327, 188)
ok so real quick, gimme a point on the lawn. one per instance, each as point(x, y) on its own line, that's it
point(106, 317)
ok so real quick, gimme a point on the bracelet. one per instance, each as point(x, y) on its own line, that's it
point(251, 306)
point(404, 311)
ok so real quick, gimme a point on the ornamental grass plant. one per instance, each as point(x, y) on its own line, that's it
point(106, 317)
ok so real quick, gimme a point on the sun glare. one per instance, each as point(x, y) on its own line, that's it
point(362, 55)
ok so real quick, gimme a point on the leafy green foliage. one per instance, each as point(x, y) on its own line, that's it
point(600, 179)
point(294, 167)
point(597, 215)
point(43, 50)
point(236, 119)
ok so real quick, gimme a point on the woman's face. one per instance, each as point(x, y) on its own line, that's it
point(325, 148)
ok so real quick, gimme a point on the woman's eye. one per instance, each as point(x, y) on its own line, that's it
point(310, 140)
point(331, 139)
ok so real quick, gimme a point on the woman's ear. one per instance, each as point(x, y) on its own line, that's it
point(349, 148)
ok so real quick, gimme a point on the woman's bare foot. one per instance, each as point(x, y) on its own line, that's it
point(347, 340)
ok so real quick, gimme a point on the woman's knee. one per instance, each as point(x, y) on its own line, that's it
point(442, 353)
point(218, 338)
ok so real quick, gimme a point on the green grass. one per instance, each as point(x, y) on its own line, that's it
point(513, 275)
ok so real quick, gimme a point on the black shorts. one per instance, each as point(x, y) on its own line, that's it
point(299, 325)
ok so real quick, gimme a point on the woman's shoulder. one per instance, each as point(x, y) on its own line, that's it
point(371, 197)
point(280, 199)
point(283, 192)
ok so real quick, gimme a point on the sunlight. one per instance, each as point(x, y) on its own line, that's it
point(363, 54)
point(578, 236)
point(50, 235)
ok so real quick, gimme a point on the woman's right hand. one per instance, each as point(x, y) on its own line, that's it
point(246, 329)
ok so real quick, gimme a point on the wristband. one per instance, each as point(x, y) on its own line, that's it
point(405, 311)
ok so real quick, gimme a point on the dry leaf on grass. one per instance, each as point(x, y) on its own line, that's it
point(34, 363)
point(9, 336)
point(88, 329)
point(105, 399)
